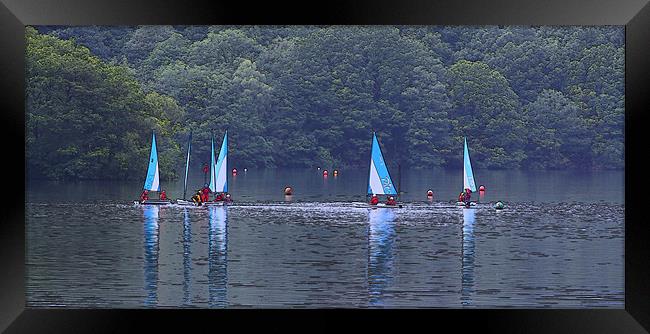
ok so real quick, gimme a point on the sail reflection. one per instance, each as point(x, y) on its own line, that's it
point(381, 236)
point(187, 257)
point(151, 251)
point(467, 268)
point(218, 257)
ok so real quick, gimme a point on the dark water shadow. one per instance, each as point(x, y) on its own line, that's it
point(187, 257)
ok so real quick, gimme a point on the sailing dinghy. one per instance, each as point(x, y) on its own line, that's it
point(379, 180)
point(468, 175)
point(219, 170)
point(152, 183)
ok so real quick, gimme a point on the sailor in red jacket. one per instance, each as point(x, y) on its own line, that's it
point(391, 201)
point(218, 198)
point(144, 196)
point(468, 194)
point(374, 200)
point(163, 195)
point(206, 193)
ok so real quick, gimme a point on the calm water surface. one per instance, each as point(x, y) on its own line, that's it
point(558, 244)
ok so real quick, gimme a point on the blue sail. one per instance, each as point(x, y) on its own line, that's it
point(187, 164)
point(468, 175)
point(379, 181)
point(221, 170)
point(212, 168)
point(152, 183)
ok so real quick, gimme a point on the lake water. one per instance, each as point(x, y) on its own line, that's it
point(559, 243)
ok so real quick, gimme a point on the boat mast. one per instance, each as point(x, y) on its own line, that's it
point(370, 165)
point(399, 180)
point(187, 164)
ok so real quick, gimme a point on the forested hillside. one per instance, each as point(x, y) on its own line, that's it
point(539, 98)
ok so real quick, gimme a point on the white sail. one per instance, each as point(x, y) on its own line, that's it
point(468, 175)
point(379, 180)
point(152, 183)
point(221, 178)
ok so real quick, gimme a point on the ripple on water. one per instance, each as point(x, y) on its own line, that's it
point(336, 254)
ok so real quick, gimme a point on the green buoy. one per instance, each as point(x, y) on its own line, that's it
point(499, 205)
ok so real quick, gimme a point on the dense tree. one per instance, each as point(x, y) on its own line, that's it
point(489, 113)
point(546, 97)
point(88, 119)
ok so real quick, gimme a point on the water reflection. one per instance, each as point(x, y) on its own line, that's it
point(381, 237)
point(187, 257)
point(467, 268)
point(218, 257)
point(151, 251)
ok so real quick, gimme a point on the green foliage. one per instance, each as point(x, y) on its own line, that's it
point(549, 97)
point(87, 119)
point(489, 113)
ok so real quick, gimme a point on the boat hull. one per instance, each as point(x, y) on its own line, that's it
point(153, 202)
point(185, 202)
point(221, 203)
point(384, 206)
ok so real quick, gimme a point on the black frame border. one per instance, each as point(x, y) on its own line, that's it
point(16, 14)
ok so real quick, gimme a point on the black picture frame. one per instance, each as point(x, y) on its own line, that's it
point(16, 14)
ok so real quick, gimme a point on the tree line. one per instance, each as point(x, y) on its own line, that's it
point(525, 97)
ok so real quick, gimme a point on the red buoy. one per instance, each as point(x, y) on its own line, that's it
point(234, 170)
point(481, 188)
point(288, 191)
point(325, 172)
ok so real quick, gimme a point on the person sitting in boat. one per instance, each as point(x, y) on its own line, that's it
point(197, 197)
point(205, 194)
point(144, 196)
point(228, 199)
point(163, 195)
point(218, 197)
point(461, 197)
point(468, 195)
point(391, 201)
point(374, 200)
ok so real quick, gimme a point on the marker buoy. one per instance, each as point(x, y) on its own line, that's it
point(481, 188)
point(325, 172)
point(430, 193)
point(288, 191)
point(499, 205)
point(245, 170)
point(336, 172)
point(234, 171)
